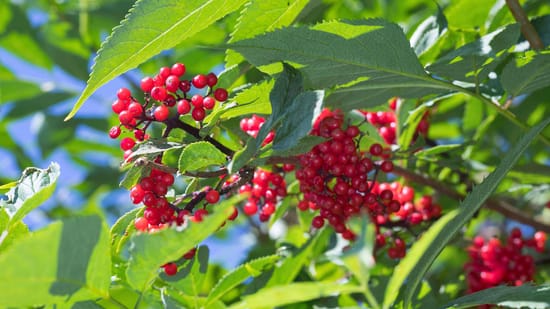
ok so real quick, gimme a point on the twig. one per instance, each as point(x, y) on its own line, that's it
point(527, 28)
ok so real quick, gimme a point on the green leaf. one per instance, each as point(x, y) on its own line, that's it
point(149, 251)
point(294, 293)
point(33, 188)
point(357, 59)
point(439, 149)
point(190, 279)
point(236, 276)
point(474, 61)
point(429, 32)
point(199, 155)
point(298, 120)
point(409, 118)
point(120, 231)
point(76, 266)
point(253, 100)
point(14, 90)
point(424, 251)
point(153, 147)
point(12, 234)
point(24, 45)
point(303, 145)
point(133, 175)
point(525, 296)
point(149, 28)
point(526, 75)
point(262, 16)
point(52, 132)
point(292, 265)
point(288, 86)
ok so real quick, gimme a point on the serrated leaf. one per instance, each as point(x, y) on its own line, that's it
point(525, 296)
point(298, 120)
point(262, 16)
point(76, 266)
point(294, 293)
point(526, 75)
point(357, 59)
point(33, 188)
point(474, 61)
point(253, 100)
point(429, 32)
point(199, 155)
point(239, 274)
point(424, 251)
point(133, 175)
point(149, 251)
point(149, 28)
point(154, 146)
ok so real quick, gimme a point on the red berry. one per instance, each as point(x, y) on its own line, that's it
point(386, 166)
point(318, 222)
point(250, 208)
point(141, 224)
point(183, 107)
point(170, 269)
point(211, 79)
point(172, 83)
point(197, 100)
point(178, 69)
point(161, 112)
point(124, 94)
point(209, 103)
point(147, 84)
point(199, 81)
point(234, 214)
point(190, 254)
point(220, 94)
point(125, 117)
point(136, 194)
point(127, 143)
point(198, 113)
point(135, 109)
point(185, 86)
point(114, 132)
point(212, 196)
point(376, 149)
point(159, 93)
point(119, 106)
point(164, 72)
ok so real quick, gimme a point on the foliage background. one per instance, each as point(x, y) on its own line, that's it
point(47, 48)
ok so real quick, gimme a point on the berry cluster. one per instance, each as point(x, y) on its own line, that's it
point(252, 126)
point(493, 263)
point(162, 92)
point(333, 176)
point(266, 189)
point(386, 122)
point(401, 211)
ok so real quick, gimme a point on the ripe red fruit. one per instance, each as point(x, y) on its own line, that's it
point(159, 93)
point(141, 224)
point(119, 106)
point(318, 222)
point(123, 94)
point(234, 214)
point(114, 132)
point(161, 112)
point(212, 196)
point(386, 167)
point(135, 109)
point(376, 149)
point(127, 143)
point(183, 107)
point(199, 81)
point(198, 113)
point(164, 72)
point(178, 69)
point(211, 79)
point(185, 86)
point(147, 84)
point(197, 100)
point(220, 94)
point(209, 103)
point(172, 83)
point(170, 269)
